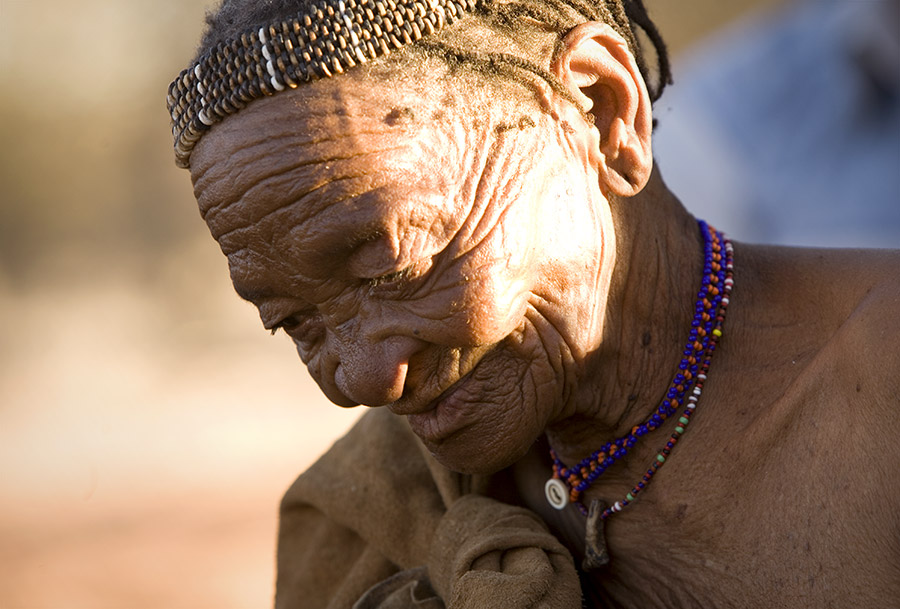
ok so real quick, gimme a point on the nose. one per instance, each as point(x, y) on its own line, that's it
point(374, 372)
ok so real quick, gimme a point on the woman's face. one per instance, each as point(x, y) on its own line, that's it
point(436, 249)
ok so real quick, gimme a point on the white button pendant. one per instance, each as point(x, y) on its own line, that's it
point(557, 493)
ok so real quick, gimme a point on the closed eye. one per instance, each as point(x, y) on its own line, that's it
point(392, 277)
point(397, 283)
point(287, 324)
point(297, 323)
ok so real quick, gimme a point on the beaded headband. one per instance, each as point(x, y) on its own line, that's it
point(329, 37)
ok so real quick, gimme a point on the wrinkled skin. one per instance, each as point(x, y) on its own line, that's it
point(497, 267)
point(401, 240)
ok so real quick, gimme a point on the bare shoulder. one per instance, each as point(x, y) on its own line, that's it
point(863, 286)
point(869, 339)
point(813, 375)
point(830, 284)
point(879, 305)
point(832, 315)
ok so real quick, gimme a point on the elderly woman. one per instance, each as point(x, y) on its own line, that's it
point(581, 395)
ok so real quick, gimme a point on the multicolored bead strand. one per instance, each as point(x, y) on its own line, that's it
point(706, 330)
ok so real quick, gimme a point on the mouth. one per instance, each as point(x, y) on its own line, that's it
point(410, 405)
point(443, 416)
point(419, 397)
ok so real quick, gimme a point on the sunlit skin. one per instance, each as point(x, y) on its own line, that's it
point(495, 268)
point(406, 253)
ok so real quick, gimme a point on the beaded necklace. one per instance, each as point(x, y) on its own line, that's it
point(568, 484)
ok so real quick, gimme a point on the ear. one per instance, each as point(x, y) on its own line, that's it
point(597, 67)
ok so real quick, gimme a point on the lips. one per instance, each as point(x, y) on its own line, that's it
point(441, 417)
point(409, 405)
point(416, 398)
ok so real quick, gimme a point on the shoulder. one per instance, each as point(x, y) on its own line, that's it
point(868, 340)
point(861, 290)
point(875, 314)
point(856, 269)
point(813, 375)
point(828, 320)
point(834, 285)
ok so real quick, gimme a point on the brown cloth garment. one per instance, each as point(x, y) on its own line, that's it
point(377, 523)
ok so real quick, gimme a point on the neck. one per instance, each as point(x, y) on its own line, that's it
point(647, 320)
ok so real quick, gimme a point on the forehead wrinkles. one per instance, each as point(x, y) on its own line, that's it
point(320, 153)
point(299, 172)
point(316, 149)
point(264, 175)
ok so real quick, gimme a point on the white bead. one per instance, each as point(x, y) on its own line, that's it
point(262, 36)
point(701, 376)
point(691, 406)
point(200, 88)
point(266, 54)
point(557, 493)
point(617, 507)
point(692, 399)
point(697, 391)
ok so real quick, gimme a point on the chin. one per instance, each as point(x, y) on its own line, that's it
point(460, 457)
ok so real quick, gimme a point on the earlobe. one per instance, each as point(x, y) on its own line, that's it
point(597, 67)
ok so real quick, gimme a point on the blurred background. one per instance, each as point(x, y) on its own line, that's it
point(148, 424)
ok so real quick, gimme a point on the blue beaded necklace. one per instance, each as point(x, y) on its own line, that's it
point(568, 484)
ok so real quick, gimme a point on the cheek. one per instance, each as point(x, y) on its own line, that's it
point(502, 279)
point(492, 308)
point(513, 396)
point(490, 298)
